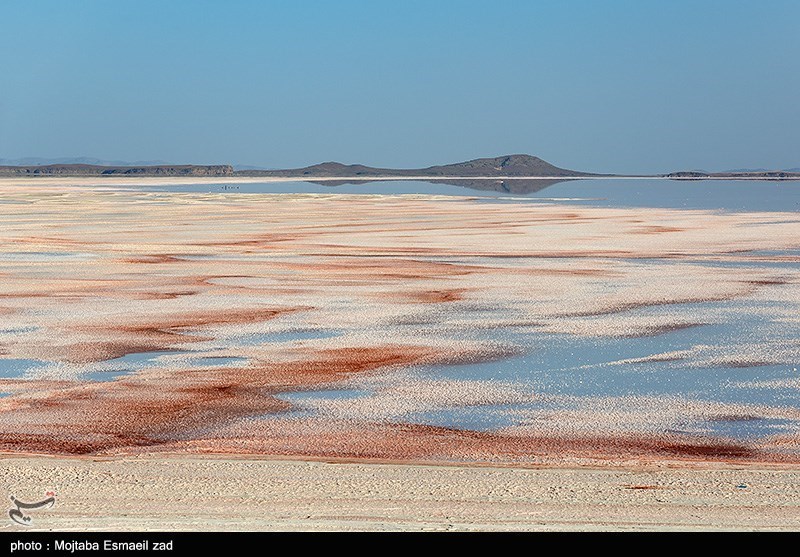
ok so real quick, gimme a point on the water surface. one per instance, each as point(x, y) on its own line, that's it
point(727, 195)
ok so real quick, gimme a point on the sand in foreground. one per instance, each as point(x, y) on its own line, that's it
point(150, 493)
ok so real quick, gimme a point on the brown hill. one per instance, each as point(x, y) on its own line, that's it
point(505, 166)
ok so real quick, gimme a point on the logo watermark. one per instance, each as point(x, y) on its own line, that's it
point(18, 515)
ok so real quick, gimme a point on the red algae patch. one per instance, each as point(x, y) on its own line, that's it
point(151, 409)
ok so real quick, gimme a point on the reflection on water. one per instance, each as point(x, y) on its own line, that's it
point(498, 186)
point(729, 195)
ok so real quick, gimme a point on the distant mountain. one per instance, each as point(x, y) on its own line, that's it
point(504, 173)
point(505, 166)
point(509, 165)
point(95, 170)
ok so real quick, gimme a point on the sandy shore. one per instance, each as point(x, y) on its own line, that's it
point(149, 493)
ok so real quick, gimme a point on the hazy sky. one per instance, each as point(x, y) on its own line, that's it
point(627, 86)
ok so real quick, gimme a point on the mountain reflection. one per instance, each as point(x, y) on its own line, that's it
point(507, 186)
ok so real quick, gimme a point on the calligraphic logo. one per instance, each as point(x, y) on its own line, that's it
point(17, 513)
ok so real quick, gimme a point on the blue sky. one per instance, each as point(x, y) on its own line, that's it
point(627, 86)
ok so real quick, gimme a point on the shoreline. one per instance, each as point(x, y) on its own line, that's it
point(183, 180)
point(643, 463)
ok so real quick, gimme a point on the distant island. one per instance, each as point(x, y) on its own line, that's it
point(514, 167)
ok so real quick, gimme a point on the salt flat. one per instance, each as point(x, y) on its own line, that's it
point(226, 330)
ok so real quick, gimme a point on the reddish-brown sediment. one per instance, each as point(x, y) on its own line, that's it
point(422, 443)
point(148, 409)
point(147, 273)
point(141, 341)
point(154, 259)
point(436, 296)
point(656, 229)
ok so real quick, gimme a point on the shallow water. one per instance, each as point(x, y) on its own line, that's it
point(562, 369)
point(127, 364)
point(728, 195)
point(14, 368)
point(328, 394)
point(112, 369)
point(42, 257)
point(258, 339)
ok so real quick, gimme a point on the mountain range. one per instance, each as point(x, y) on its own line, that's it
point(508, 166)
